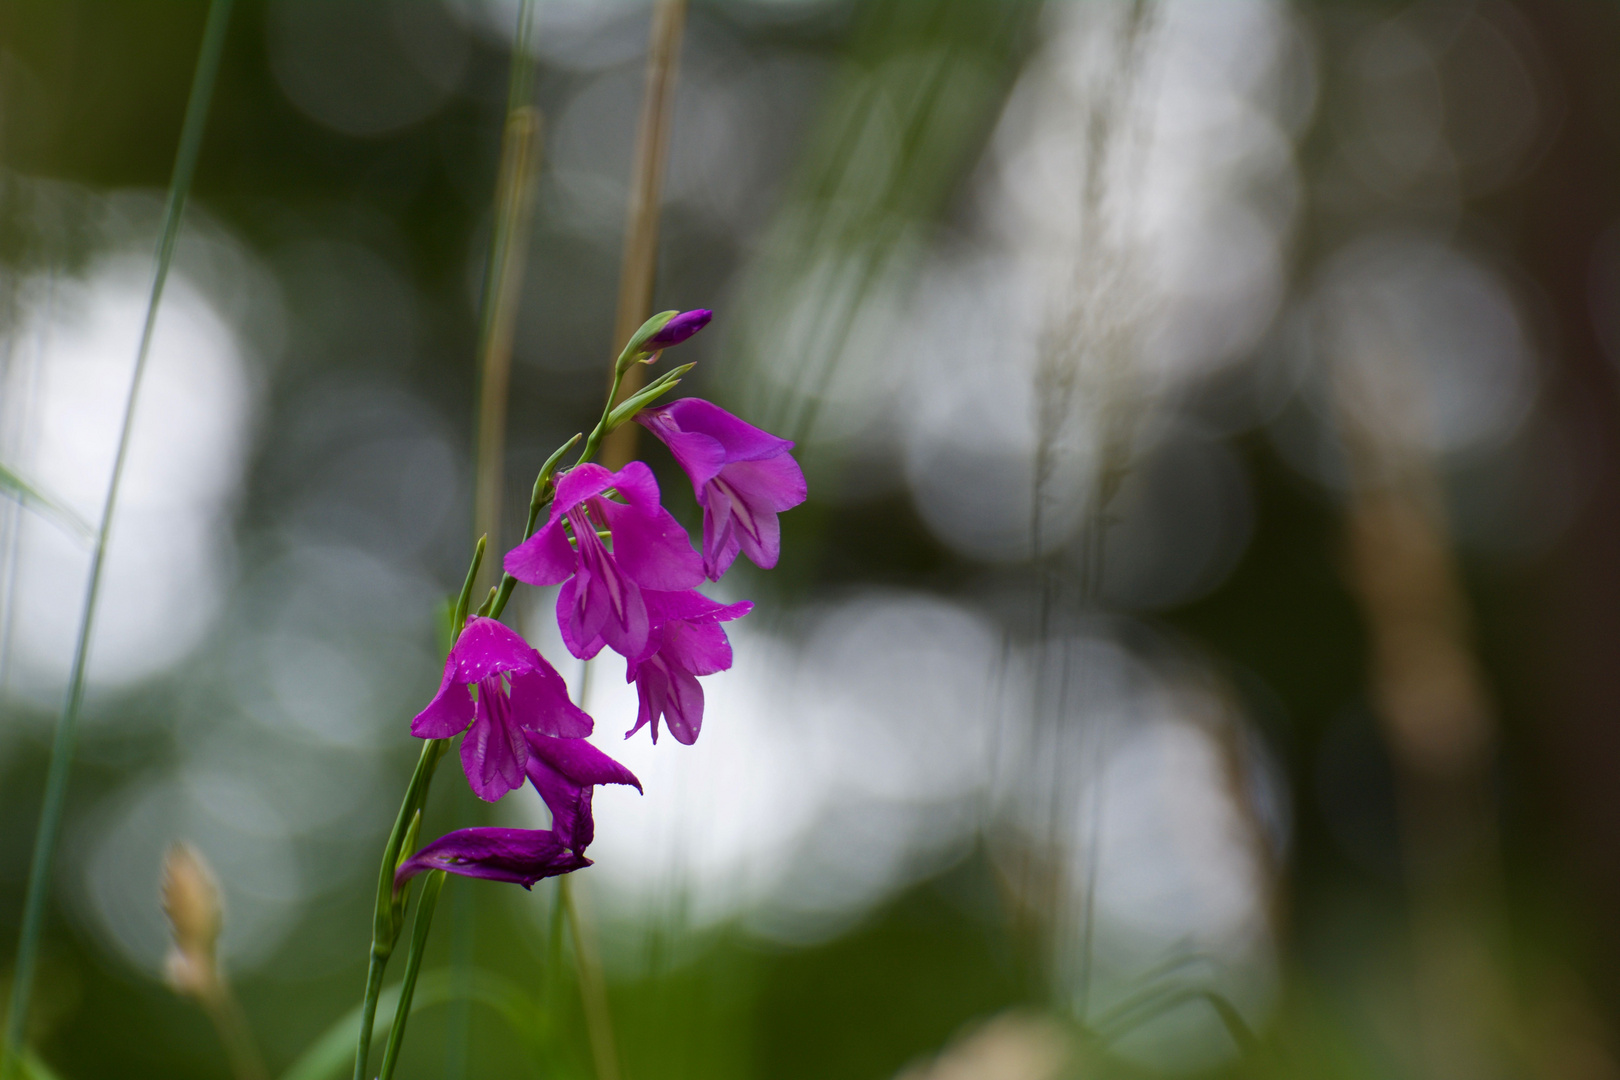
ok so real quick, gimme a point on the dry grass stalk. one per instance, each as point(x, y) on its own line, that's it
point(639, 267)
point(520, 158)
point(1437, 719)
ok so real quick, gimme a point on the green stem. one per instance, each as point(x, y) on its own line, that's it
point(598, 433)
point(389, 914)
point(50, 818)
point(413, 966)
point(368, 1010)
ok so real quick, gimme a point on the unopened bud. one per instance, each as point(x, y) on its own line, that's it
point(192, 902)
point(678, 329)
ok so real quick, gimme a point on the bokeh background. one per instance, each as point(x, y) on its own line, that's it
point(1207, 600)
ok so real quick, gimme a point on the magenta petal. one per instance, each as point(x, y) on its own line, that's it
point(569, 803)
point(720, 541)
point(570, 619)
point(540, 703)
point(742, 440)
point(683, 708)
point(450, 711)
point(769, 485)
point(580, 762)
point(701, 648)
point(651, 546)
point(699, 456)
point(545, 558)
point(689, 605)
point(523, 856)
point(565, 772)
point(578, 484)
point(629, 636)
point(487, 647)
point(493, 754)
point(652, 689)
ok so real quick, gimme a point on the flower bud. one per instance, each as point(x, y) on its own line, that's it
point(192, 902)
point(679, 329)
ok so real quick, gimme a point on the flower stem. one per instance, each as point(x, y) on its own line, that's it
point(389, 914)
point(413, 967)
point(50, 818)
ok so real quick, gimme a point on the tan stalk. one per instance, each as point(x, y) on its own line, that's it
point(520, 158)
point(639, 267)
point(1430, 696)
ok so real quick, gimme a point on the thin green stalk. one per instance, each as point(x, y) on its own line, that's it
point(50, 818)
point(413, 966)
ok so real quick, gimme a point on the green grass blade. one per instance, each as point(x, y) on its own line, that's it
point(50, 818)
point(30, 496)
point(330, 1054)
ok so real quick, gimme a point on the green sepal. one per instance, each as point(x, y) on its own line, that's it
point(407, 848)
point(647, 395)
point(458, 618)
point(542, 483)
point(633, 350)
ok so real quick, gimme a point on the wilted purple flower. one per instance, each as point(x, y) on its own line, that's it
point(564, 771)
point(521, 855)
point(743, 478)
point(679, 329)
point(518, 694)
point(686, 641)
point(600, 601)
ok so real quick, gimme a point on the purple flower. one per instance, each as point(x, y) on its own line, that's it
point(743, 478)
point(600, 601)
point(518, 694)
point(678, 329)
point(564, 771)
point(686, 641)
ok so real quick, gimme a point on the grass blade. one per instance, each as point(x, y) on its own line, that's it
point(50, 818)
